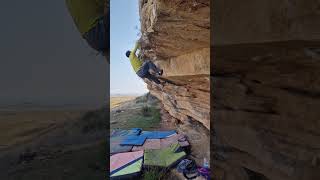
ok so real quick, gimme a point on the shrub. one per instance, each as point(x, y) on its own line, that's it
point(141, 99)
point(146, 111)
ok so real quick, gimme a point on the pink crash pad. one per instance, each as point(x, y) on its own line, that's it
point(121, 159)
point(148, 144)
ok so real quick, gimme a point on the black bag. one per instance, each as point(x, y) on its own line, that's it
point(191, 171)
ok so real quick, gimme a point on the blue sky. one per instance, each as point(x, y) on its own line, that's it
point(124, 32)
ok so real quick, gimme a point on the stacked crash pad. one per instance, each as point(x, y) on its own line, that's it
point(130, 149)
point(139, 139)
point(117, 136)
point(125, 164)
point(136, 140)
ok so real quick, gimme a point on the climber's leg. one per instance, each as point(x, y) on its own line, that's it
point(153, 67)
point(152, 78)
point(144, 69)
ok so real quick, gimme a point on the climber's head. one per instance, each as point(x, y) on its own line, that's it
point(128, 53)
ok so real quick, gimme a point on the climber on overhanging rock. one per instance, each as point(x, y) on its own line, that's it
point(92, 20)
point(142, 69)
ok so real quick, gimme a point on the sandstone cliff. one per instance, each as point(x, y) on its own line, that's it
point(266, 89)
point(176, 37)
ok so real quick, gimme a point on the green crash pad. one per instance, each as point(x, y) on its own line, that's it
point(125, 164)
point(163, 157)
point(132, 168)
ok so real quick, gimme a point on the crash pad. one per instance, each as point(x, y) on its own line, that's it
point(130, 170)
point(163, 143)
point(157, 134)
point(139, 140)
point(148, 144)
point(124, 164)
point(119, 132)
point(134, 140)
point(163, 157)
point(117, 136)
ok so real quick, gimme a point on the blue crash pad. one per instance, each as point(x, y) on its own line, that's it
point(119, 132)
point(117, 136)
point(134, 140)
point(157, 134)
point(138, 140)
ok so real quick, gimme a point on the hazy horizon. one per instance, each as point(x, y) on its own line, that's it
point(127, 94)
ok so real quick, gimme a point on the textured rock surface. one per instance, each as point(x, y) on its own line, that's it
point(265, 105)
point(267, 20)
point(266, 90)
point(171, 28)
point(175, 35)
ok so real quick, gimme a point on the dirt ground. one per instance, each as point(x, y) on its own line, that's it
point(52, 144)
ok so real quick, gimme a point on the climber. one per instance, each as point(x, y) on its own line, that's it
point(143, 68)
point(92, 18)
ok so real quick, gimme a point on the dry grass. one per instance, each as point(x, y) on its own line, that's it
point(118, 100)
point(140, 112)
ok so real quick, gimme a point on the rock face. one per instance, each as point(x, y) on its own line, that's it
point(172, 28)
point(175, 36)
point(253, 21)
point(265, 74)
point(266, 86)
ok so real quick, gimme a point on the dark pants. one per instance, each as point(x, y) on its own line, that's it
point(144, 71)
point(98, 36)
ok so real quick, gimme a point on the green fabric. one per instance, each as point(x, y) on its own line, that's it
point(163, 157)
point(85, 13)
point(133, 168)
point(134, 60)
